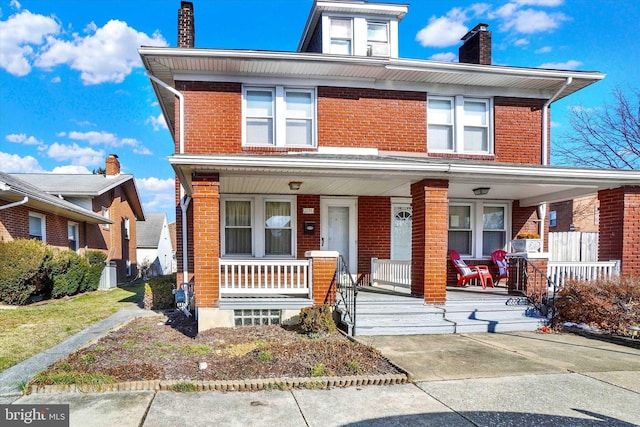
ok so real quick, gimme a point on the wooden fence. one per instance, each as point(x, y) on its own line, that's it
point(573, 246)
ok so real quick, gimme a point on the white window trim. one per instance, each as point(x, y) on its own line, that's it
point(43, 225)
point(372, 43)
point(105, 214)
point(457, 118)
point(127, 229)
point(258, 203)
point(477, 210)
point(353, 31)
point(279, 114)
point(77, 234)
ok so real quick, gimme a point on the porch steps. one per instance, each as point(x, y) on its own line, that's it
point(389, 313)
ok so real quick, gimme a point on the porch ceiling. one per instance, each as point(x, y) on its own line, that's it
point(393, 176)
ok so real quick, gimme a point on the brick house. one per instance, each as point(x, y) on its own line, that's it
point(579, 214)
point(285, 159)
point(78, 212)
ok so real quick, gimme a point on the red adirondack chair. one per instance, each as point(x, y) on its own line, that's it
point(466, 273)
point(499, 258)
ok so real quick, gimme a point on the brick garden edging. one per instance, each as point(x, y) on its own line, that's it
point(614, 339)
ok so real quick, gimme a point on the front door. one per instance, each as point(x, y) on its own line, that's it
point(338, 228)
point(401, 231)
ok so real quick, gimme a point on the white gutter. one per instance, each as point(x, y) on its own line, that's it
point(542, 213)
point(184, 200)
point(14, 204)
point(545, 121)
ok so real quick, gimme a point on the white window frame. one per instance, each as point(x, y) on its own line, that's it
point(349, 39)
point(43, 226)
point(476, 222)
point(371, 44)
point(458, 124)
point(76, 234)
point(258, 228)
point(127, 229)
point(105, 214)
point(279, 115)
point(553, 219)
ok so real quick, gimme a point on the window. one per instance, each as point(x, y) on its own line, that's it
point(377, 39)
point(37, 227)
point(459, 124)
point(279, 116)
point(341, 33)
point(105, 214)
point(258, 226)
point(476, 229)
point(128, 267)
point(72, 232)
point(553, 219)
point(125, 228)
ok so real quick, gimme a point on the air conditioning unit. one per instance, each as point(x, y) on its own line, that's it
point(378, 49)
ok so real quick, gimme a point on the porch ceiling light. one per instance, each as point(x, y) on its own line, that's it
point(481, 191)
point(295, 185)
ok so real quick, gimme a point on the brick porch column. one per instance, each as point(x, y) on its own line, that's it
point(620, 228)
point(430, 205)
point(322, 276)
point(206, 238)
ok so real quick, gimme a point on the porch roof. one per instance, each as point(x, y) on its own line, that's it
point(391, 175)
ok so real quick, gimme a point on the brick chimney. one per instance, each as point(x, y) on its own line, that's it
point(186, 25)
point(476, 48)
point(112, 165)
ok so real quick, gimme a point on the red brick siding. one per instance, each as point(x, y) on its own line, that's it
point(374, 232)
point(429, 239)
point(523, 219)
point(206, 246)
point(324, 270)
point(620, 228)
point(308, 242)
point(382, 119)
point(517, 130)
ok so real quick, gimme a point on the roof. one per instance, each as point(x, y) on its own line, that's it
point(13, 189)
point(171, 64)
point(391, 175)
point(85, 185)
point(149, 231)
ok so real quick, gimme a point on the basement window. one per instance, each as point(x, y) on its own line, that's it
point(256, 317)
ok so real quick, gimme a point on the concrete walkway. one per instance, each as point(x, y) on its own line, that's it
point(459, 380)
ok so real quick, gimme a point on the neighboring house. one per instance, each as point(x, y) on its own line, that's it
point(154, 246)
point(579, 214)
point(286, 159)
point(112, 200)
point(172, 233)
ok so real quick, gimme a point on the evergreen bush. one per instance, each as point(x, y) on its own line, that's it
point(158, 292)
point(317, 320)
point(21, 269)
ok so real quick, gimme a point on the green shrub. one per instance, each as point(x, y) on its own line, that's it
point(95, 260)
point(319, 370)
point(317, 319)
point(158, 292)
point(67, 270)
point(610, 305)
point(21, 270)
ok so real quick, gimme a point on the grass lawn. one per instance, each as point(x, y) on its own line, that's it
point(28, 330)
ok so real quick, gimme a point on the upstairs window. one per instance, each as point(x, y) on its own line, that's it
point(341, 33)
point(37, 227)
point(377, 38)
point(105, 214)
point(458, 124)
point(126, 229)
point(279, 116)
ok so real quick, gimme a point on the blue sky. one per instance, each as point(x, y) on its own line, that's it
point(72, 89)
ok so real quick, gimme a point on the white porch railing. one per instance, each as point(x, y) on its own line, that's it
point(265, 277)
point(391, 272)
point(561, 272)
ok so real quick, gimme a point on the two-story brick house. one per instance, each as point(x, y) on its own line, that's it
point(284, 159)
point(81, 212)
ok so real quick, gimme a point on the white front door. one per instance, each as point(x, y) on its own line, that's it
point(401, 221)
point(338, 228)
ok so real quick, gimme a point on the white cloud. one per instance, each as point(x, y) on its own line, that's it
point(105, 138)
point(142, 150)
point(544, 49)
point(81, 156)
point(158, 194)
point(521, 42)
point(443, 31)
point(157, 122)
point(569, 65)
point(106, 54)
point(548, 3)
point(444, 57)
point(56, 79)
point(154, 184)
point(71, 169)
point(15, 4)
point(19, 33)
point(23, 139)
point(159, 202)
point(531, 21)
point(13, 163)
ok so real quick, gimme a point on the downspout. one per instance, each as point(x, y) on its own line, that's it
point(184, 200)
point(542, 213)
point(545, 121)
point(14, 204)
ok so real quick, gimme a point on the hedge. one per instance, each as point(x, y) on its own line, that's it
point(158, 292)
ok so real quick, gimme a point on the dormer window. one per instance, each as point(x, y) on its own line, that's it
point(377, 38)
point(341, 32)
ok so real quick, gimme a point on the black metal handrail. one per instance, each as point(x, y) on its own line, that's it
point(348, 290)
point(535, 285)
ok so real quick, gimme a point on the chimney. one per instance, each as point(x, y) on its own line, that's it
point(186, 25)
point(112, 165)
point(476, 48)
